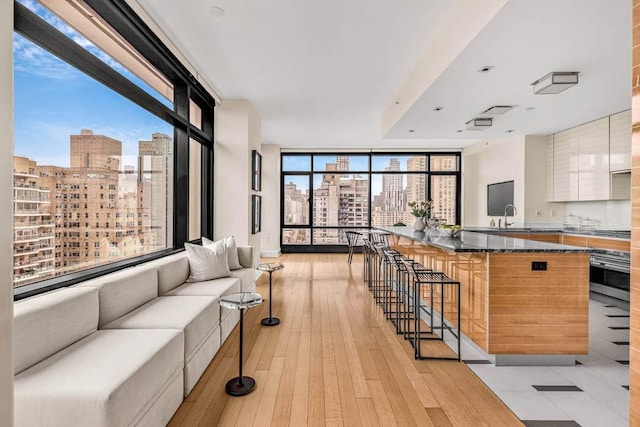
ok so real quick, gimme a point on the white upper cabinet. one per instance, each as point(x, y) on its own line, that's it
point(593, 175)
point(565, 165)
point(585, 156)
point(620, 142)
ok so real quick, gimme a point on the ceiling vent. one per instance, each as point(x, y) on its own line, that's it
point(479, 123)
point(498, 109)
point(555, 82)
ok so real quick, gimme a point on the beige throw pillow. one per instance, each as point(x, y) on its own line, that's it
point(232, 251)
point(207, 262)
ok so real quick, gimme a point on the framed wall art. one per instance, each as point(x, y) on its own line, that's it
point(256, 214)
point(256, 168)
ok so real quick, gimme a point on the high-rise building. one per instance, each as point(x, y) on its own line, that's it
point(416, 183)
point(392, 187)
point(89, 151)
point(444, 188)
point(155, 166)
point(392, 200)
point(33, 236)
point(296, 205)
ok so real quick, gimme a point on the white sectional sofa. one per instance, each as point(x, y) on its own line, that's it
point(122, 349)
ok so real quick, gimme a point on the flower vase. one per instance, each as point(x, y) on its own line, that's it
point(419, 225)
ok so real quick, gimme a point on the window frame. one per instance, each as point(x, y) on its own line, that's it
point(130, 26)
point(334, 248)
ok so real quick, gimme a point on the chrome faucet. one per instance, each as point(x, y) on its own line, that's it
point(515, 212)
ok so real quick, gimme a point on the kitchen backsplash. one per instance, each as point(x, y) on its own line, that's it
point(611, 214)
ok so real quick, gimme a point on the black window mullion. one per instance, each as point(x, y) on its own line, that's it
point(181, 170)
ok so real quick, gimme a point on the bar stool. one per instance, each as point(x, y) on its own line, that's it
point(352, 242)
point(403, 313)
point(387, 286)
point(432, 281)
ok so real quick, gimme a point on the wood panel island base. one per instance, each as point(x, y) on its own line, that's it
point(522, 301)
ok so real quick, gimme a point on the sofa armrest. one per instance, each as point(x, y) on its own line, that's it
point(245, 255)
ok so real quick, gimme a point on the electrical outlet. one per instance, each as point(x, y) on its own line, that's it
point(553, 212)
point(539, 265)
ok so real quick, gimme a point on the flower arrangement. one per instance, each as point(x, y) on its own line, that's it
point(420, 209)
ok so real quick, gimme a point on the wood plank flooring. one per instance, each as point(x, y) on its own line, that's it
point(334, 361)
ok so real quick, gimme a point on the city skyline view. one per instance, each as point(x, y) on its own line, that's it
point(341, 198)
point(92, 212)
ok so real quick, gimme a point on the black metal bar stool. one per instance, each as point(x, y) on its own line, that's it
point(403, 310)
point(352, 242)
point(424, 284)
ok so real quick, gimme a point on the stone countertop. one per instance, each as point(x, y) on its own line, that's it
point(606, 234)
point(471, 241)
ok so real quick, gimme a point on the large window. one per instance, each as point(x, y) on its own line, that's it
point(326, 194)
point(113, 150)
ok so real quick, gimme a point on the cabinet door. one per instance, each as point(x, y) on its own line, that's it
point(620, 142)
point(565, 166)
point(594, 160)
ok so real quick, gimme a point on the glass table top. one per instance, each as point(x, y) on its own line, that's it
point(240, 300)
point(270, 266)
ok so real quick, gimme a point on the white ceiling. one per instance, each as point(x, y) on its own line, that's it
point(525, 41)
point(320, 74)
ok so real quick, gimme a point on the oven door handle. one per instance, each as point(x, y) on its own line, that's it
point(607, 266)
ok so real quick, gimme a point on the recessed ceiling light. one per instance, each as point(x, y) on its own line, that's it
point(217, 11)
point(531, 108)
point(498, 109)
point(555, 82)
point(479, 123)
point(510, 130)
point(485, 69)
point(438, 109)
point(460, 130)
point(397, 102)
point(412, 130)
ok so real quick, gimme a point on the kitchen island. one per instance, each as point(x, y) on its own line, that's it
point(520, 299)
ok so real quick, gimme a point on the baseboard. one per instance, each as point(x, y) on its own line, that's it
point(270, 254)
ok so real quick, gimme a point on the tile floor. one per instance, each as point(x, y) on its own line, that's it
point(599, 396)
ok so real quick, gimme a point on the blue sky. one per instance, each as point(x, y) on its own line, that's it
point(53, 100)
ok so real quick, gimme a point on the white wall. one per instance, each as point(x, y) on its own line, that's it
point(536, 208)
point(270, 240)
point(486, 163)
point(521, 159)
point(6, 213)
point(237, 133)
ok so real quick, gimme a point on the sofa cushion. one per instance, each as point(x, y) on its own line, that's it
point(246, 257)
point(207, 262)
point(197, 316)
point(46, 324)
point(232, 250)
point(217, 287)
point(109, 378)
point(247, 277)
point(124, 291)
point(173, 271)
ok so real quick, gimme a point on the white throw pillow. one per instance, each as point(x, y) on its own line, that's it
point(232, 251)
point(207, 262)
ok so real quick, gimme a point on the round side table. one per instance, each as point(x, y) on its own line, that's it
point(270, 267)
point(240, 385)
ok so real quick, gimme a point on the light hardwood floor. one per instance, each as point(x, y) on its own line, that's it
point(334, 360)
